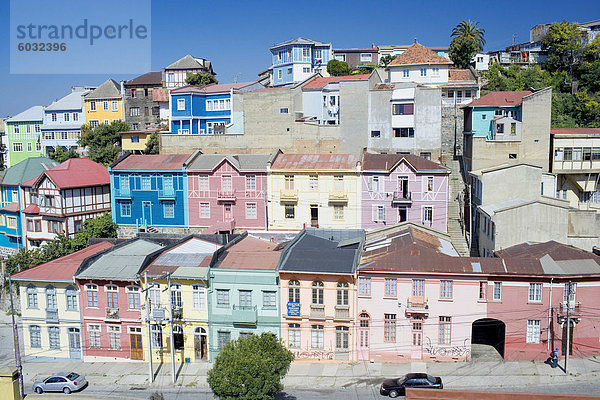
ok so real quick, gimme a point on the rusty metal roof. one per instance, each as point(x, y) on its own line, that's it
point(316, 161)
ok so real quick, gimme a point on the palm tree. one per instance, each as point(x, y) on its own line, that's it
point(468, 29)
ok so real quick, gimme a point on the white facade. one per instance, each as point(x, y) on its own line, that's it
point(482, 61)
point(424, 73)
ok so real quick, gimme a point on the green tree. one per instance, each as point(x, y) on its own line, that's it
point(338, 68)
point(385, 60)
point(59, 155)
point(565, 43)
point(469, 30)
point(363, 69)
point(200, 79)
point(462, 50)
point(152, 144)
point(103, 142)
point(250, 368)
point(100, 227)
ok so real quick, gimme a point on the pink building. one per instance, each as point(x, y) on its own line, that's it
point(227, 192)
point(403, 187)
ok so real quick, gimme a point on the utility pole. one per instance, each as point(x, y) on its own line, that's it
point(470, 219)
point(148, 305)
point(16, 341)
point(568, 325)
point(172, 341)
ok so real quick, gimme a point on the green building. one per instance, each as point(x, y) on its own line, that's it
point(23, 135)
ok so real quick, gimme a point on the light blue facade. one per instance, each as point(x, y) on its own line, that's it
point(149, 197)
point(296, 60)
point(482, 119)
point(198, 113)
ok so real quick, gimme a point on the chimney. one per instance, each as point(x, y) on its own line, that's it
point(123, 88)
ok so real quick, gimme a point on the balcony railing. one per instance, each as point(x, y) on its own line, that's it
point(417, 305)
point(401, 198)
point(166, 193)
point(112, 313)
point(288, 195)
point(574, 308)
point(122, 193)
point(51, 314)
point(226, 195)
point(244, 315)
point(317, 311)
point(338, 196)
point(177, 312)
point(342, 312)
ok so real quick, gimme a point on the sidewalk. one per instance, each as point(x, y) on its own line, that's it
point(303, 375)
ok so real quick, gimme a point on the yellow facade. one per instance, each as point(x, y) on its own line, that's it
point(9, 383)
point(101, 111)
point(190, 315)
point(304, 198)
point(134, 142)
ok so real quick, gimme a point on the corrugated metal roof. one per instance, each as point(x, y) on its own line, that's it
point(27, 169)
point(387, 162)
point(32, 114)
point(189, 259)
point(152, 161)
point(78, 172)
point(188, 62)
point(212, 88)
point(320, 82)
point(110, 89)
point(316, 161)
point(149, 78)
point(72, 101)
point(575, 131)
point(299, 40)
point(208, 162)
point(500, 99)
point(252, 253)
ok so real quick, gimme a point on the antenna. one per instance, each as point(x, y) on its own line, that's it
point(514, 37)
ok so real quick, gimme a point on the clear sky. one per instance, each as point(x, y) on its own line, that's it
point(236, 35)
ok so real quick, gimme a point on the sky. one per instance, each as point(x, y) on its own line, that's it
point(236, 35)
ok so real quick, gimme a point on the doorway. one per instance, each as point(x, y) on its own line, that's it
point(135, 337)
point(146, 213)
point(490, 333)
point(74, 343)
point(402, 214)
point(314, 215)
point(363, 337)
point(200, 344)
point(227, 215)
point(417, 338)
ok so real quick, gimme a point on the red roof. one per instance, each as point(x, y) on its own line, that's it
point(212, 88)
point(152, 161)
point(500, 99)
point(418, 54)
point(63, 268)
point(252, 253)
point(12, 207)
point(386, 162)
point(575, 131)
point(160, 94)
point(315, 161)
point(77, 172)
point(32, 209)
point(30, 182)
point(460, 75)
point(320, 82)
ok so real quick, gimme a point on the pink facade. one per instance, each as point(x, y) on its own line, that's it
point(225, 194)
point(397, 188)
point(110, 320)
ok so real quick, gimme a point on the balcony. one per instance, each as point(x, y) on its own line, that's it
point(342, 313)
point(288, 195)
point(226, 195)
point(244, 315)
point(417, 306)
point(112, 313)
point(166, 193)
point(51, 314)
point(574, 308)
point(401, 198)
point(317, 311)
point(122, 193)
point(177, 313)
point(338, 196)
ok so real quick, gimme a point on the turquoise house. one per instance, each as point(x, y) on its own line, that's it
point(243, 295)
point(495, 116)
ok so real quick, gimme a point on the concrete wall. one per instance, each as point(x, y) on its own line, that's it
point(354, 98)
point(452, 127)
point(527, 187)
point(535, 142)
point(428, 121)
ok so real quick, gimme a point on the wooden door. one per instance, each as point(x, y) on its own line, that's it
point(137, 352)
point(417, 339)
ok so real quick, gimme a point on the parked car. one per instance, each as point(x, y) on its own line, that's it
point(65, 382)
point(397, 387)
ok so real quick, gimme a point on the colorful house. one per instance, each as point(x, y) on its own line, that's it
point(184, 302)
point(244, 291)
point(104, 104)
point(316, 274)
point(150, 191)
point(50, 307)
point(175, 74)
point(23, 135)
point(11, 226)
point(141, 111)
point(60, 199)
point(227, 192)
point(420, 65)
point(318, 190)
point(297, 59)
point(403, 187)
point(110, 297)
point(135, 141)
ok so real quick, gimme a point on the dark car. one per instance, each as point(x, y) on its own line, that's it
point(65, 382)
point(397, 387)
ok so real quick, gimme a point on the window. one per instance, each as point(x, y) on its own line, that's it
point(404, 132)
point(403, 109)
point(500, 129)
point(35, 336)
point(157, 341)
point(112, 296)
point(338, 183)
point(427, 215)
point(444, 334)
point(379, 213)
point(269, 299)
point(75, 116)
point(64, 135)
point(390, 287)
point(389, 328)
point(198, 297)
point(29, 147)
point(146, 182)
point(92, 106)
point(342, 294)
point(423, 71)
point(535, 292)
point(11, 222)
point(92, 295)
point(154, 292)
point(168, 183)
point(251, 210)
point(338, 212)
point(71, 297)
point(38, 146)
point(435, 71)
point(94, 123)
point(313, 183)
point(429, 184)
point(366, 57)
point(375, 134)
point(305, 52)
point(306, 70)
point(204, 210)
point(245, 298)
point(176, 295)
point(533, 331)
point(418, 287)
point(341, 337)
point(364, 286)
point(54, 117)
point(289, 182)
point(32, 299)
point(374, 184)
point(294, 291)
point(497, 291)
point(279, 72)
point(222, 338)
point(132, 93)
point(51, 298)
point(222, 298)
point(115, 105)
point(203, 182)
point(54, 337)
point(294, 335)
point(180, 104)
point(318, 54)
point(125, 209)
point(134, 112)
point(290, 211)
point(289, 71)
point(569, 293)
point(446, 289)
point(17, 147)
point(468, 94)
point(317, 336)
point(133, 297)
point(105, 105)
point(283, 110)
point(94, 334)
point(482, 290)
point(169, 209)
point(251, 182)
point(405, 73)
point(114, 337)
point(317, 292)
point(16, 129)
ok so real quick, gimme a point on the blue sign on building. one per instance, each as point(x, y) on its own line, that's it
point(293, 309)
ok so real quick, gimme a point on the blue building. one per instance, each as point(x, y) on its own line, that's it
point(297, 59)
point(149, 192)
point(496, 116)
point(208, 110)
point(11, 228)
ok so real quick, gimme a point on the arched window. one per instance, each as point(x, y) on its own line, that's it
point(157, 336)
point(71, 296)
point(32, 299)
point(294, 291)
point(51, 298)
point(178, 337)
point(317, 292)
point(364, 320)
point(176, 295)
point(342, 293)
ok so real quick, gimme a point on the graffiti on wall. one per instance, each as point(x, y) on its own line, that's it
point(451, 351)
point(320, 354)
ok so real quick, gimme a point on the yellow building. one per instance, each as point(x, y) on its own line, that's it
point(104, 104)
point(184, 304)
point(318, 190)
point(135, 141)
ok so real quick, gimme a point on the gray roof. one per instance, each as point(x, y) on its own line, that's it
point(121, 262)
point(108, 90)
point(491, 209)
point(333, 251)
point(57, 126)
point(189, 62)
point(300, 40)
point(72, 101)
point(569, 267)
point(27, 169)
point(239, 161)
point(35, 113)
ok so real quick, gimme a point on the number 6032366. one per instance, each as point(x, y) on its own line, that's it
point(42, 46)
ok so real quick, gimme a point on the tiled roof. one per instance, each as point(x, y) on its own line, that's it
point(316, 161)
point(77, 172)
point(32, 209)
point(419, 54)
point(11, 207)
point(152, 161)
point(160, 94)
point(300, 40)
point(149, 78)
point(461, 75)
point(108, 90)
point(252, 253)
point(320, 82)
point(35, 113)
point(575, 131)
point(387, 162)
point(384, 86)
point(189, 62)
point(211, 88)
point(208, 162)
point(500, 99)
point(26, 170)
point(63, 268)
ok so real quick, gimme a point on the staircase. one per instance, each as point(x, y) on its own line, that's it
point(456, 189)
